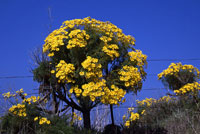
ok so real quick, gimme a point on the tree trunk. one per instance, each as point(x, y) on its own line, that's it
point(112, 116)
point(86, 119)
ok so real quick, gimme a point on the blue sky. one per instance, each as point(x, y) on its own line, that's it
point(167, 29)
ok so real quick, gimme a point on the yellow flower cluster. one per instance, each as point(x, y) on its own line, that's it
point(93, 89)
point(111, 50)
point(130, 76)
point(138, 57)
point(188, 88)
point(131, 117)
point(165, 99)
point(75, 116)
point(65, 72)
point(42, 120)
point(54, 40)
point(99, 89)
point(175, 68)
point(149, 101)
point(8, 95)
point(77, 38)
point(31, 99)
point(76, 90)
point(20, 91)
point(18, 109)
point(108, 28)
point(93, 68)
point(113, 96)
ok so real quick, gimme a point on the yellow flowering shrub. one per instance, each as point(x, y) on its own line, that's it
point(177, 75)
point(20, 109)
point(132, 116)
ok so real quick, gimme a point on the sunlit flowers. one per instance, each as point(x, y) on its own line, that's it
point(175, 68)
point(42, 120)
point(130, 76)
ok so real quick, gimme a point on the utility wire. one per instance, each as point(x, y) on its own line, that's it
point(193, 59)
point(14, 77)
point(29, 76)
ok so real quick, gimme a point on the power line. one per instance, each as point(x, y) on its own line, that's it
point(192, 59)
point(153, 88)
point(14, 77)
point(29, 76)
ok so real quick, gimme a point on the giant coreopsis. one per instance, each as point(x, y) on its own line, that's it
point(178, 75)
point(95, 60)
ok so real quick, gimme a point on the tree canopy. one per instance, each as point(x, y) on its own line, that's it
point(94, 62)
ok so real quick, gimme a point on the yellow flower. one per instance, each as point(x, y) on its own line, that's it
point(52, 71)
point(127, 124)
point(143, 111)
point(81, 73)
point(124, 117)
point(79, 118)
point(48, 122)
point(36, 118)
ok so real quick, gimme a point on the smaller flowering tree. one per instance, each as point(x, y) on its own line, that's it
point(177, 75)
point(182, 79)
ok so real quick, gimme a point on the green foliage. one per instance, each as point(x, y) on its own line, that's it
point(59, 125)
point(174, 83)
point(12, 124)
point(177, 116)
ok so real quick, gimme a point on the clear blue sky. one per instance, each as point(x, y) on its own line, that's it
point(163, 29)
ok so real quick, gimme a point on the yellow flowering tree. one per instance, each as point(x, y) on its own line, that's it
point(182, 79)
point(177, 75)
point(94, 62)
